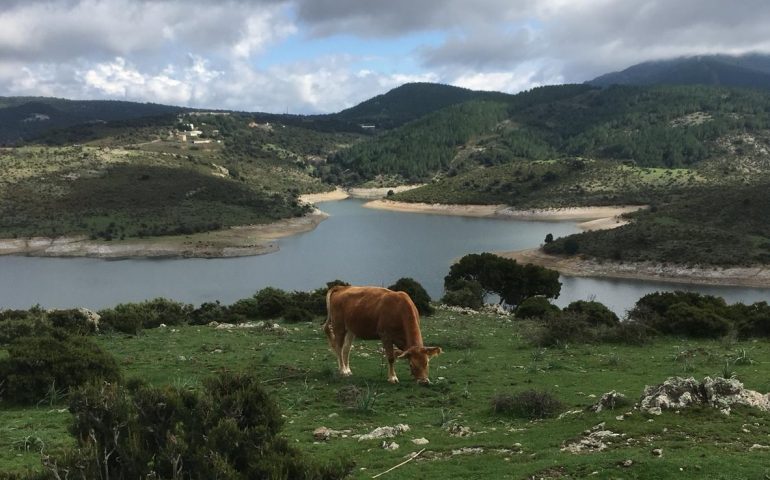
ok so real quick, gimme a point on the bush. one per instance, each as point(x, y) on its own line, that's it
point(530, 404)
point(270, 302)
point(10, 330)
point(209, 312)
point(504, 277)
point(566, 327)
point(132, 317)
point(690, 321)
point(464, 293)
point(751, 320)
point(228, 430)
point(535, 307)
point(297, 315)
point(35, 365)
point(595, 313)
point(74, 321)
point(416, 292)
point(313, 302)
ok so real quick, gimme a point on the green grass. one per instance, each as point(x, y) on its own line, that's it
point(300, 371)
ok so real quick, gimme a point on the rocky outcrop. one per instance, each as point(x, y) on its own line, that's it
point(609, 401)
point(721, 393)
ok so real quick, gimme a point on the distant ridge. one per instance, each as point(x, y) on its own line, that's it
point(750, 70)
point(411, 101)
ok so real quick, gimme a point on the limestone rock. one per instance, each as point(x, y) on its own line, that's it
point(609, 401)
point(384, 432)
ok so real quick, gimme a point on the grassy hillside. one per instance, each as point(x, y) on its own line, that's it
point(485, 355)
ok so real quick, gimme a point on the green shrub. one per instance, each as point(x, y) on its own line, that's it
point(133, 317)
point(10, 330)
point(594, 313)
point(561, 328)
point(37, 364)
point(296, 315)
point(228, 430)
point(530, 404)
point(751, 320)
point(73, 320)
point(124, 318)
point(535, 307)
point(691, 321)
point(209, 312)
point(416, 292)
point(313, 302)
point(270, 302)
point(464, 293)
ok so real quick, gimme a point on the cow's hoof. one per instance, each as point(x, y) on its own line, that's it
point(393, 380)
point(346, 373)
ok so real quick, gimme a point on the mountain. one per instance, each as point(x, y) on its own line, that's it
point(22, 118)
point(751, 70)
point(410, 102)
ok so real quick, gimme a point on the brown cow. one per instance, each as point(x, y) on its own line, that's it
point(372, 313)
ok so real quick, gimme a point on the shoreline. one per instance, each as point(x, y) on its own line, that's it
point(591, 218)
point(239, 241)
point(340, 193)
point(755, 277)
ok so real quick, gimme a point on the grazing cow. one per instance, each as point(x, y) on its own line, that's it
point(372, 313)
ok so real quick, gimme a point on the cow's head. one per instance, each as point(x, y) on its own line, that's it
point(418, 361)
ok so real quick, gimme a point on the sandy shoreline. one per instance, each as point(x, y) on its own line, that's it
point(233, 242)
point(362, 193)
point(758, 277)
point(593, 218)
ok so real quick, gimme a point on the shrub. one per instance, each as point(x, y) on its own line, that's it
point(313, 302)
point(504, 277)
point(416, 292)
point(270, 302)
point(36, 364)
point(562, 328)
point(228, 430)
point(690, 321)
point(74, 321)
point(209, 312)
point(132, 317)
point(296, 315)
point(530, 404)
point(535, 307)
point(124, 318)
point(595, 313)
point(245, 308)
point(464, 293)
point(751, 320)
point(10, 330)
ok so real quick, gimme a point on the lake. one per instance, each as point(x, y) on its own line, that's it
point(355, 244)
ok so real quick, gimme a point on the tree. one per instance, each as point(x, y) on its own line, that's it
point(504, 277)
point(416, 292)
point(549, 238)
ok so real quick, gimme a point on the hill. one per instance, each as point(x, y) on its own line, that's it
point(672, 127)
point(410, 102)
point(23, 118)
point(752, 70)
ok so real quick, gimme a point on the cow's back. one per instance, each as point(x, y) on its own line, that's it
point(368, 311)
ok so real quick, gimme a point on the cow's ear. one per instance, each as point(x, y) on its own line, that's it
point(432, 351)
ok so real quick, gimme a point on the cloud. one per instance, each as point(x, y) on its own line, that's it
point(277, 54)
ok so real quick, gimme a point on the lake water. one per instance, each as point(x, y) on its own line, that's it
point(355, 244)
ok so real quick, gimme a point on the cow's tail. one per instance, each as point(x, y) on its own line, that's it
point(328, 329)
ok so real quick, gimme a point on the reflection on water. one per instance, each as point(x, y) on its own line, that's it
point(358, 245)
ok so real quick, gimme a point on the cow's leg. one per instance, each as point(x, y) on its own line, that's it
point(329, 331)
point(391, 356)
point(345, 354)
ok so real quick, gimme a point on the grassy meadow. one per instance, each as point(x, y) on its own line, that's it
point(484, 355)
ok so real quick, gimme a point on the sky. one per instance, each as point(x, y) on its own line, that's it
point(320, 56)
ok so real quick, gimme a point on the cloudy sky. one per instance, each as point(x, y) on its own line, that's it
point(309, 56)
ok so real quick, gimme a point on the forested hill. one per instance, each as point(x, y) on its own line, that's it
point(732, 71)
point(23, 118)
point(410, 102)
point(675, 126)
